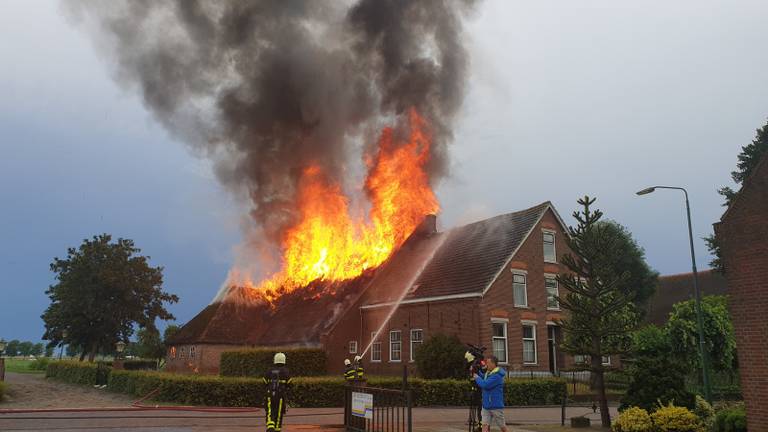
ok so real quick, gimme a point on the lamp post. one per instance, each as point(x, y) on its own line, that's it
point(118, 363)
point(63, 342)
point(120, 347)
point(2, 360)
point(697, 292)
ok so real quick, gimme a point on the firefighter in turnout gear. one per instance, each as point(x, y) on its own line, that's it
point(349, 372)
point(359, 373)
point(278, 382)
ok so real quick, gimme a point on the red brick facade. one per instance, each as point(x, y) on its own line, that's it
point(743, 236)
point(468, 318)
point(196, 358)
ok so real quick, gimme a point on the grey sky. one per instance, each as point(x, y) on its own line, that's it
point(565, 98)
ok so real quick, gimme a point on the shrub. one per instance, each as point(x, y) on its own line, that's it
point(137, 364)
point(672, 418)
point(733, 419)
point(2, 390)
point(306, 392)
point(440, 357)
point(74, 372)
point(655, 375)
point(40, 364)
point(704, 412)
point(311, 392)
point(634, 419)
point(254, 362)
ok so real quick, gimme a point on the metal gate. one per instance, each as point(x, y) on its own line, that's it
point(391, 410)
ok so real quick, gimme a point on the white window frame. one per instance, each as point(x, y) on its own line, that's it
point(583, 359)
point(374, 345)
point(544, 232)
point(173, 352)
point(353, 347)
point(548, 276)
point(192, 352)
point(415, 342)
point(399, 344)
point(505, 326)
point(524, 275)
point(533, 325)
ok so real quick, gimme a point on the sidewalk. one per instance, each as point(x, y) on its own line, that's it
point(454, 419)
point(297, 419)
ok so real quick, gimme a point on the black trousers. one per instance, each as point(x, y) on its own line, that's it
point(275, 408)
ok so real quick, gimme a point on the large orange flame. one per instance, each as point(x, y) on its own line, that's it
point(328, 243)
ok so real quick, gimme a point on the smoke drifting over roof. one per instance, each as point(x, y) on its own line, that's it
point(266, 88)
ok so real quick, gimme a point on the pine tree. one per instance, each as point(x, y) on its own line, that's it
point(600, 314)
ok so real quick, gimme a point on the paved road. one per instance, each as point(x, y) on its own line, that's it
point(34, 391)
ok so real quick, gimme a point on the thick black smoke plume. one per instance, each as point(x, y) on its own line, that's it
point(265, 88)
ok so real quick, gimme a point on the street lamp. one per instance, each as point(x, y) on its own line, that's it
point(63, 342)
point(2, 360)
point(699, 318)
point(120, 346)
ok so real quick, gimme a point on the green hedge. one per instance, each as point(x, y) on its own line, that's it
point(307, 392)
point(74, 372)
point(137, 364)
point(316, 392)
point(733, 419)
point(254, 362)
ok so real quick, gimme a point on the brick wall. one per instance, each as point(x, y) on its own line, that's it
point(743, 234)
point(205, 361)
point(498, 303)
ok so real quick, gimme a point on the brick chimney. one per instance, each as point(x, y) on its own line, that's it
point(427, 226)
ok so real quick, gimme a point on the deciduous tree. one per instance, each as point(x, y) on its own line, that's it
point(642, 280)
point(719, 337)
point(103, 289)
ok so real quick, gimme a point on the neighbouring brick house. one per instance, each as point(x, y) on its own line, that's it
point(677, 288)
point(743, 236)
point(491, 283)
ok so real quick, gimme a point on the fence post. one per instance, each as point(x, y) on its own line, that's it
point(346, 406)
point(408, 407)
point(562, 405)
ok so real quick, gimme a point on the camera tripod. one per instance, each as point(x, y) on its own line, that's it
point(475, 421)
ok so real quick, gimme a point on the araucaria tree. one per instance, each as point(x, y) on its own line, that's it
point(600, 312)
point(103, 290)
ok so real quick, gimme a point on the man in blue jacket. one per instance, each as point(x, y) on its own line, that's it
point(492, 385)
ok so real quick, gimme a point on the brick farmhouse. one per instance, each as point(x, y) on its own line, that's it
point(491, 283)
point(743, 236)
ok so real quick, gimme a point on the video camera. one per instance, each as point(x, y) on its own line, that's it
point(474, 357)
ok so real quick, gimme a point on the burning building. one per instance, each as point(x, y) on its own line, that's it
point(491, 283)
point(329, 122)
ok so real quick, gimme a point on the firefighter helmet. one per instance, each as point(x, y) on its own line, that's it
point(347, 362)
point(279, 358)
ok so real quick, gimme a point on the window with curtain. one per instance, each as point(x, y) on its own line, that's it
point(529, 344)
point(519, 289)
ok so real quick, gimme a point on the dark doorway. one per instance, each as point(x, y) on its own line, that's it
point(553, 340)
